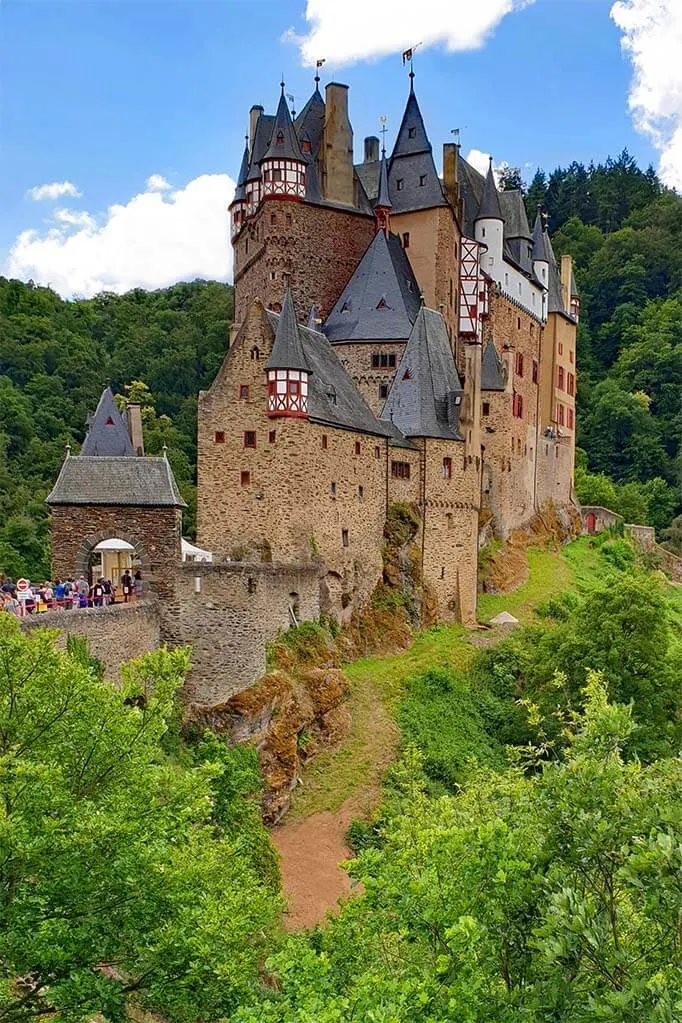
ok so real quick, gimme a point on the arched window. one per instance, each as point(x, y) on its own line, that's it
point(255, 353)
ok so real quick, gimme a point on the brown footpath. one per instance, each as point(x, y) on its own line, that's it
point(311, 851)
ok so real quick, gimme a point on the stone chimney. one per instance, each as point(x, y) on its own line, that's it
point(566, 274)
point(450, 177)
point(134, 420)
point(254, 114)
point(338, 147)
point(371, 149)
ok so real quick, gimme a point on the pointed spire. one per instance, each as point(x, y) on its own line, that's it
point(540, 239)
point(412, 137)
point(383, 205)
point(283, 144)
point(107, 433)
point(240, 191)
point(490, 208)
point(287, 351)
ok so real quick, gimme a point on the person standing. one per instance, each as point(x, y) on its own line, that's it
point(138, 584)
point(127, 585)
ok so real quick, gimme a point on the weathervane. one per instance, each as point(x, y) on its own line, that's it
point(383, 120)
point(409, 55)
point(318, 65)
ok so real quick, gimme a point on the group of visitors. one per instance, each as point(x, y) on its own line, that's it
point(68, 594)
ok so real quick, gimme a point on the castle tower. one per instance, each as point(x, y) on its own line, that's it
point(283, 167)
point(287, 368)
point(540, 257)
point(237, 207)
point(383, 205)
point(489, 224)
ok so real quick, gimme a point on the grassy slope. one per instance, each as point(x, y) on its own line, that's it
point(356, 767)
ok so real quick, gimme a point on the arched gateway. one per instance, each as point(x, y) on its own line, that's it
point(99, 495)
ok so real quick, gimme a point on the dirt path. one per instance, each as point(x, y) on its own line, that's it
point(311, 850)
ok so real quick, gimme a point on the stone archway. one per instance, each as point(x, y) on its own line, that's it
point(88, 543)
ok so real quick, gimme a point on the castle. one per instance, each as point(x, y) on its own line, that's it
point(400, 337)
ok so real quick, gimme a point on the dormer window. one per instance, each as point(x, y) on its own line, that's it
point(400, 184)
point(381, 304)
point(279, 141)
point(109, 422)
point(422, 180)
point(306, 146)
point(345, 308)
point(407, 375)
point(411, 133)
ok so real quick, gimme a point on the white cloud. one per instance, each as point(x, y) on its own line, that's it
point(74, 218)
point(478, 160)
point(356, 30)
point(652, 38)
point(157, 183)
point(53, 190)
point(151, 241)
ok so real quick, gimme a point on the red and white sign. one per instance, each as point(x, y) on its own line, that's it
point(23, 586)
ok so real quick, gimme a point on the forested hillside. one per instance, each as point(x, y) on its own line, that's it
point(623, 230)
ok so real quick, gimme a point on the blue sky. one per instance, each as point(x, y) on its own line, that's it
point(105, 93)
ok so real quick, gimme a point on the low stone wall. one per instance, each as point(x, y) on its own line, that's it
point(596, 519)
point(228, 613)
point(115, 634)
point(670, 563)
point(644, 536)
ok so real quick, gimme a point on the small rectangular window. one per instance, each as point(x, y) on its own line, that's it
point(220, 436)
point(383, 390)
point(406, 239)
point(249, 438)
point(411, 133)
point(332, 489)
point(273, 219)
point(536, 372)
point(377, 452)
point(422, 180)
point(358, 448)
point(324, 441)
point(560, 378)
point(486, 408)
point(561, 414)
point(519, 364)
point(561, 348)
point(245, 478)
point(344, 537)
point(376, 360)
point(570, 418)
point(271, 437)
point(570, 355)
point(288, 220)
point(361, 492)
point(400, 184)
point(400, 470)
point(447, 468)
point(244, 392)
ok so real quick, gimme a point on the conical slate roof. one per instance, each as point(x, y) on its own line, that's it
point(413, 181)
point(540, 240)
point(381, 300)
point(492, 372)
point(412, 137)
point(383, 198)
point(287, 352)
point(310, 123)
point(240, 190)
point(490, 208)
point(425, 397)
point(261, 140)
point(107, 433)
point(288, 148)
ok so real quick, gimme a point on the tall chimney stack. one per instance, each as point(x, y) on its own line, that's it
point(254, 114)
point(338, 146)
point(450, 178)
point(371, 149)
point(134, 420)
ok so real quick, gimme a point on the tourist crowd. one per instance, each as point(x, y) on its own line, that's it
point(67, 594)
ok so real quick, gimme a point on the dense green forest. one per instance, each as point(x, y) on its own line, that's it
point(524, 863)
point(623, 230)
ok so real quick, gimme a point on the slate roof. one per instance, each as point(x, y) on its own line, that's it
point(490, 208)
point(541, 247)
point(381, 299)
point(287, 351)
point(492, 370)
point(310, 123)
point(555, 301)
point(120, 480)
point(261, 141)
point(514, 213)
point(107, 432)
point(288, 148)
point(412, 162)
point(383, 198)
point(368, 174)
point(240, 190)
point(333, 398)
point(426, 391)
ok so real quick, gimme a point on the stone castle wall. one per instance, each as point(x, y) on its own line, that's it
point(228, 613)
point(313, 249)
point(312, 490)
point(114, 634)
point(356, 357)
